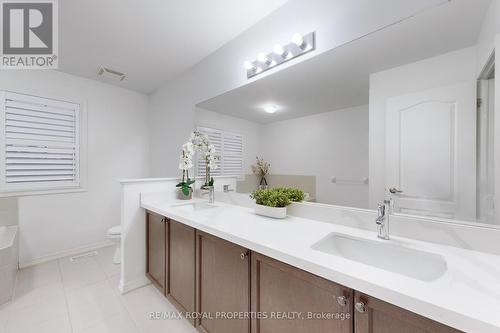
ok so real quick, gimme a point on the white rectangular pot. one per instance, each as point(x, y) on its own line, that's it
point(274, 212)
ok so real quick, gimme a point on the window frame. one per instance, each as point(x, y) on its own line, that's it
point(9, 190)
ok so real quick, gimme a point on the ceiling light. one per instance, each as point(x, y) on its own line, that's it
point(270, 108)
point(263, 58)
point(298, 40)
point(279, 50)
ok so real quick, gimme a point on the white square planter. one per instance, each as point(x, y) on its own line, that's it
point(274, 212)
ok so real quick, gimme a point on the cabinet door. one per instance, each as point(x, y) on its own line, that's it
point(375, 316)
point(156, 237)
point(223, 284)
point(182, 267)
point(281, 290)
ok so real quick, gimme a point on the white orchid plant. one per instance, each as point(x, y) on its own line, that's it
point(198, 142)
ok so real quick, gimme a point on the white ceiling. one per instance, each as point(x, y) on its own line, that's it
point(340, 78)
point(151, 41)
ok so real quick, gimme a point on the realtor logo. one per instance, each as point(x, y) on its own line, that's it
point(29, 34)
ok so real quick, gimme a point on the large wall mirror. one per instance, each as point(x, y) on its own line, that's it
point(406, 111)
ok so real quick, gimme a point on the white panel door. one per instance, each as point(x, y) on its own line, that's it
point(431, 151)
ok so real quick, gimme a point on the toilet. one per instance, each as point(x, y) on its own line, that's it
point(114, 234)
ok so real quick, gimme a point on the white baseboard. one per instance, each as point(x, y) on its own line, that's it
point(65, 253)
point(132, 285)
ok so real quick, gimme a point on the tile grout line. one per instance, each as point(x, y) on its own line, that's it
point(9, 303)
point(108, 280)
point(65, 296)
point(129, 314)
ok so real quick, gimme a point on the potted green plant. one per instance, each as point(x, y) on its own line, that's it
point(273, 202)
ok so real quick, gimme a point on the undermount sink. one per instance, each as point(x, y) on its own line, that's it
point(192, 207)
point(416, 264)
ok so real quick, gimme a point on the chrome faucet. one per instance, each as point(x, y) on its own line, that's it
point(384, 210)
point(211, 193)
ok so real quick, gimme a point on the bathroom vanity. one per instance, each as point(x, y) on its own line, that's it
point(217, 259)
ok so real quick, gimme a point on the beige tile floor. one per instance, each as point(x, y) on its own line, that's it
point(82, 297)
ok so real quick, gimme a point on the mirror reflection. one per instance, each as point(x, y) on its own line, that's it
point(406, 112)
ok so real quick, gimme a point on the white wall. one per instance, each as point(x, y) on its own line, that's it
point(172, 106)
point(325, 145)
point(497, 127)
point(117, 149)
point(8, 211)
point(447, 69)
point(250, 130)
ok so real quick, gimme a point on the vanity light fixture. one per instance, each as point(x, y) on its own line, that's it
point(298, 40)
point(264, 59)
point(248, 65)
point(301, 44)
point(280, 51)
point(271, 108)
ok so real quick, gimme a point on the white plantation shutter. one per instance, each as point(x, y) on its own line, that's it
point(40, 143)
point(232, 154)
point(229, 147)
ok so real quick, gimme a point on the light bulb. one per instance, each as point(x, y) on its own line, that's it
point(298, 40)
point(279, 50)
point(270, 108)
point(263, 58)
point(248, 65)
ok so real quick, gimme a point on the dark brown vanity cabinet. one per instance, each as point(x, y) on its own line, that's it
point(217, 280)
point(223, 285)
point(181, 259)
point(375, 316)
point(156, 250)
point(299, 301)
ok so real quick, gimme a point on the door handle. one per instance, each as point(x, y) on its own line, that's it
point(394, 190)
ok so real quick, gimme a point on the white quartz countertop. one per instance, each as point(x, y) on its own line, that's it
point(466, 297)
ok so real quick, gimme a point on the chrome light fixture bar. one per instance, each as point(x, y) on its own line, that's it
point(281, 53)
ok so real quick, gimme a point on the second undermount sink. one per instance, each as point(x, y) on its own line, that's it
point(416, 264)
point(192, 207)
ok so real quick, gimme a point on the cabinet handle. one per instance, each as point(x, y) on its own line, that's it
point(342, 300)
point(243, 255)
point(360, 307)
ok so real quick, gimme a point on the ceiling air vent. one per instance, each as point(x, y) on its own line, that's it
point(111, 74)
